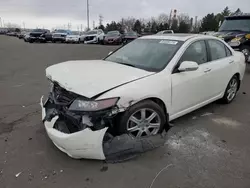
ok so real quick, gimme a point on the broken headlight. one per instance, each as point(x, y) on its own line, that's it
point(90, 106)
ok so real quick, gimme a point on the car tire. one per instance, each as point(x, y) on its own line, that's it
point(146, 107)
point(246, 50)
point(231, 90)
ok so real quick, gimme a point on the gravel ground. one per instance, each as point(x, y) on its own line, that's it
point(207, 148)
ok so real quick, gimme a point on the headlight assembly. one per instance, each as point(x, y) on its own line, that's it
point(91, 105)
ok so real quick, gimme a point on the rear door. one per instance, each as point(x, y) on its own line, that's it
point(220, 67)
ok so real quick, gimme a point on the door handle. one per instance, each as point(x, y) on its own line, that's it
point(231, 61)
point(207, 70)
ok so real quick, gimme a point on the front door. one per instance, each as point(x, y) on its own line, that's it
point(189, 88)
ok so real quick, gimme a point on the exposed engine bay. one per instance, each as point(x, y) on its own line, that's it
point(58, 103)
point(90, 134)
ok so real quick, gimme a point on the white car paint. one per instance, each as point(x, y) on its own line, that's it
point(181, 93)
point(165, 32)
point(97, 37)
point(72, 38)
point(94, 72)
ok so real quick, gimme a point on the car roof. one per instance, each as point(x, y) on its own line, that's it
point(179, 36)
point(239, 16)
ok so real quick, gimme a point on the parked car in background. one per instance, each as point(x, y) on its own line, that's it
point(3, 31)
point(94, 37)
point(207, 33)
point(12, 33)
point(155, 79)
point(236, 31)
point(26, 37)
point(113, 37)
point(129, 36)
point(21, 35)
point(74, 37)
point(36, 34)
point(60, 35)
point(165, 32)
point(46, 37)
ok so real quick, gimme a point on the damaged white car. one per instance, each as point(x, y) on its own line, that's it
point(137, 90)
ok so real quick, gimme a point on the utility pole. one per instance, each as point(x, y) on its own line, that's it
point(1, 21)
point(93, 24)
point(88, 13)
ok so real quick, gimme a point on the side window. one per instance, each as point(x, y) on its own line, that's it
point(196, 52)
point(217, 49)
point(229, 53)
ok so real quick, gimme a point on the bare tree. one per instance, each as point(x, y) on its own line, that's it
point(128, 23)
point(162, 18)
point(12, 25)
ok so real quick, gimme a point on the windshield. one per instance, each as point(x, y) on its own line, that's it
point(113, 33)
point(236, 24)
point(92, 32)
point(61, 31)
point(75, 33)
point(38, 30)
point(131, 34)
point(148, 54)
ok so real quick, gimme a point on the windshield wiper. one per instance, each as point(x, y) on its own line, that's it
point(234, 30)
point(127, 64)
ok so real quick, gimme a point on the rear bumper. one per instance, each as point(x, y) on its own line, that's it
point(83, 144)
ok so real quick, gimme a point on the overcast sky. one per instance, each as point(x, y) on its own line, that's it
point(51, 13)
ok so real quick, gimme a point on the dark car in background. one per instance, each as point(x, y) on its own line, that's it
point(130, 36)
point(113, 37)
point(36, 34)
point(235, 30)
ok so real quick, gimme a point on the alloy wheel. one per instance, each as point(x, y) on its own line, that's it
point(232, 89)
point(144, 122)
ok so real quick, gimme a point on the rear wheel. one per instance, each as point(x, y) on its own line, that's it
point(142, 119)
point(231, 90)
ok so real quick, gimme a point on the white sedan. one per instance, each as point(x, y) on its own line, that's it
point(137, 89)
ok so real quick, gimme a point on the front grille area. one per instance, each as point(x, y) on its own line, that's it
point(61, 96)
point(58, 35)
point(89, 38)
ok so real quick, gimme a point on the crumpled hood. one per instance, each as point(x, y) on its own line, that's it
point(91, 35)
point(92, 77)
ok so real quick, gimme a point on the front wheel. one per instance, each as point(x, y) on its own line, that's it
point(246, 51)
point(231, 91)
point(142, 119)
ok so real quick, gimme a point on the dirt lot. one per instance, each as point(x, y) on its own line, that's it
point(208, 148)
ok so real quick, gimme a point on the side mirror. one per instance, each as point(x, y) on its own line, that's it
point(110, 53)
point(188, 66)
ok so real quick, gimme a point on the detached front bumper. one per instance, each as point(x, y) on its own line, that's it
point(83, 144)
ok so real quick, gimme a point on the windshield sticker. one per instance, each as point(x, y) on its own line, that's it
point(168, 42)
